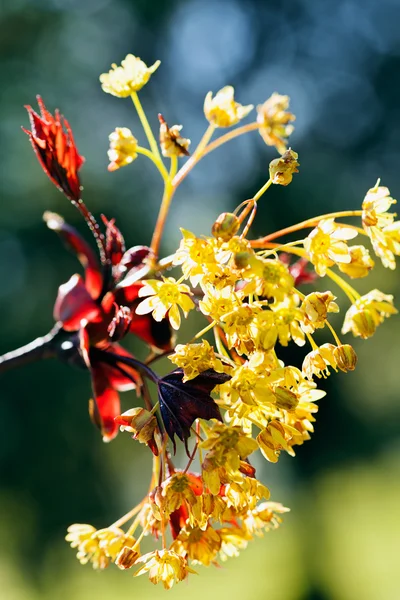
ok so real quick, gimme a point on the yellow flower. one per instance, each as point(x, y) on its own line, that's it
point(201, 546)
point(386, 243)
point(222, 110)
point(233, 539)
point(237, 327)
point(196, 257)
point(130, 77)
point(281, 169)
point(269, 277)
point(217, 303)
point(123, 146)
point(315, 308)
point(99, 547)
point(176, 490)
point(326, 245)
point(164, 565)
point(287, 322)
point(227, 446)
point(196, 358)
point(375, 206)
point(367, 313)
point(318, 361)
point(171, 141)
point(264, 517)
point(275, 438)
point(244, 493)
point(274, 121)
point(360, 263)
point(165, 296)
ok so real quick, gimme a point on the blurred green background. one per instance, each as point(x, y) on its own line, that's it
point(340, 63)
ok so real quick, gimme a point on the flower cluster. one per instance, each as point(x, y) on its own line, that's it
point(229, 394)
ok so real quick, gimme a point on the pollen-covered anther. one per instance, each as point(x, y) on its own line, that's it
point(171, 141)
point(127, 557)
point(281, 169)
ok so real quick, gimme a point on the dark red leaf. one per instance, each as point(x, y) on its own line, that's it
point(182, 403)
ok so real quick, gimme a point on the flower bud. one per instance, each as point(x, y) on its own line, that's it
point(242, 260)
point(120, 324)
point(127, 558)
point(122, 149)
point(226, 226)
point(171, 142)
point(346, 358)
point(142, 424)
point(281, 169)
point(115, 243)
point(285, 398)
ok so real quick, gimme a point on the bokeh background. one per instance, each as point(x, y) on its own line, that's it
point(340, 63)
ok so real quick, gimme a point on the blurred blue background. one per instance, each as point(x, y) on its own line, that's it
point(340, 63)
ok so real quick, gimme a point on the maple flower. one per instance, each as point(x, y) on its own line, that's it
point(196, 257)
point(164, 565)
point(195, 358)
point(130, 77)
point(201, 546)
point(326, 245)
point(367, 313)
point(163, 297)
point(52, 140)
point(171, 141)
point(360, 263)
point(318, 361)
point(375, 206)
point(274, 121)
point(99, 547)
point(380, 226)
point(281, 169)
point(316, 307)
point(123, 146)
point(222, 110)
point(264, 517)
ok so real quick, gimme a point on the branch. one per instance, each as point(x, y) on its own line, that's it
point(39, 349)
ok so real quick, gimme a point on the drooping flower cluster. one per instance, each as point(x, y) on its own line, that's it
point(230, 394)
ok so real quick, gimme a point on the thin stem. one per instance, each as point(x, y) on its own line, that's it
point(250, 220)
point(114, 359)
point(205, 330)
point(262, 190)
point(39, 349)
point(311, 340)
point(195, 158)
point(350, 292)
point(230, 136)
point(303, 225)
point(94, 228)
point(169, 191)
point(191, 458)
point(174, 167)
point(146, 127)
point(159, 164)
point(129, 515)
point(333, 332)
